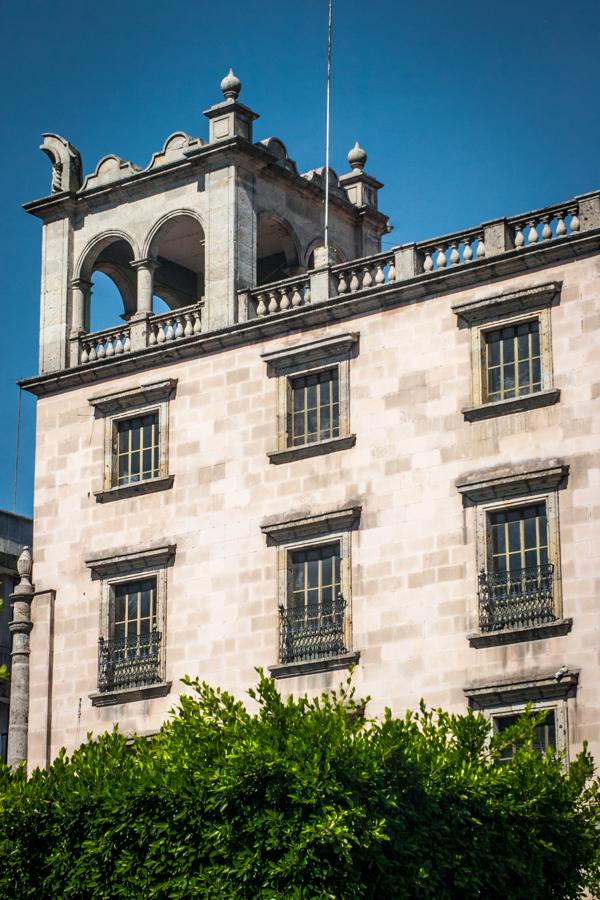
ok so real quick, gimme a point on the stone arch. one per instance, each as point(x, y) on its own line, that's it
point(277, 248)
point(111, 253)
point(177, 242)
point(318, 242)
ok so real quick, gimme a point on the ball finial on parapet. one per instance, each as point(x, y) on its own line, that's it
point(357, 158)
point(231, 86)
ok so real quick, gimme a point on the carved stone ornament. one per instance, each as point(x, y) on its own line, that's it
point(66, 163)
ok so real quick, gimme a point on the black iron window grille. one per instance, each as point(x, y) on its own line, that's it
point(130, 662)
point(516, 599)
point(312, 632)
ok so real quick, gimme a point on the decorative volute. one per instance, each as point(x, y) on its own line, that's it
point(67, 173)
point(357, 158)
point(231, 86)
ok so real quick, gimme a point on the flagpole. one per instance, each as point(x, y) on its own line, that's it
point(327, 122)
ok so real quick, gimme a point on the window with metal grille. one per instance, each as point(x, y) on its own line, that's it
point(544, 733)
point(137, 449)
point(314, 410)
point(513, 362)
point(312, 625)
point(130, 657)
point(519, 538)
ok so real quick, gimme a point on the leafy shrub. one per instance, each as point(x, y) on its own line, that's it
point(302, 799)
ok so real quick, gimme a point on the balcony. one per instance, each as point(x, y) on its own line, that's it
point(312, 633)
point(130, 663)
point(523, 598)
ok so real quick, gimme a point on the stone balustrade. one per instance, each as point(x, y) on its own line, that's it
point(360, 274)
point(545, 224)
point(289, 293)
point(173, 326)
point(456, 249)
point(413, 260)
point(104, 344)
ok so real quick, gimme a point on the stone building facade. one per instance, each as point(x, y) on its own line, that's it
point(318, 457)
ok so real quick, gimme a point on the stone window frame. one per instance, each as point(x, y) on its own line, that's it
point(110, 571)
point(513, 488)
point(301, 534)
point(511, 696)
point(331, 352)
point(149, 397)
point(500, 311)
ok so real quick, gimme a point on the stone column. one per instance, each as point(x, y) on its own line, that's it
point(145, 282)
point(20, 628)
point(80, 292)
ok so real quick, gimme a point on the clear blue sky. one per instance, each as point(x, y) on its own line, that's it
point(467, 112)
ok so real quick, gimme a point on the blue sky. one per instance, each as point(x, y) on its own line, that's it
point(467, 112)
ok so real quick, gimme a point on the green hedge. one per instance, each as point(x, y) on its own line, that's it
point(302, 799)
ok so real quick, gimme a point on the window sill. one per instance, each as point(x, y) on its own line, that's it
point(149, 486)
point(516, 404)
point(517, 635)
point(312, 666)
point(319, 448)
point(130, 695)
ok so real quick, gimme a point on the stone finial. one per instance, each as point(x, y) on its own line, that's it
point(25, 566)
point(231, 86)
point(357, 158)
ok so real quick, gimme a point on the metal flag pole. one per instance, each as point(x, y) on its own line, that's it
point(327, 120)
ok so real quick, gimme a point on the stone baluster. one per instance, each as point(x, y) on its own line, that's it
point(532, 235)
point(367, 279)
point(20, 629)
point(261, 307)
point(392, 270)
point(354, 282)
point(307, 294)
point(428, 262)
point(273, 303)
point(454, 254)
point(379, 273)
point(480, 252)
point(546, 230)
point(519, 236)
point(296, 297)
point(561, 227)
point(440, 259)
point(189, 328)
point(126, 342)
point(467, 250)
point(197, 322)
point(179, 330)
point(342, 287)
point(169, 332)
point(284, 299)
point(575, 225)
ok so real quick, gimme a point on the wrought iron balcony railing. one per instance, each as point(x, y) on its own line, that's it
point(312, 632)
point(133, 662)
point(517, 599)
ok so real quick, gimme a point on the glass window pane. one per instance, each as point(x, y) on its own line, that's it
point(536, 374)
point(508, 348)
point(135, 434)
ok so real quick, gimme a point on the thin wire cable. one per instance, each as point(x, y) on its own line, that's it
point(327, 122)
point(16, 481)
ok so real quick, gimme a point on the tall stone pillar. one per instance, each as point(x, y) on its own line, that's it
point(20, 628)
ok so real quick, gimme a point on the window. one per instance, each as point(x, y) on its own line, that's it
point(314, 591)
point(312, 623)
point(544, 733)
point(505, 700)
point(314, 408)
point(137, 449)
point(513, 361)
point(313, 397)
point(135, 440)
point(131, 646)
point(511, 352)
point(517, 552)
point(130, 657)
